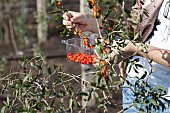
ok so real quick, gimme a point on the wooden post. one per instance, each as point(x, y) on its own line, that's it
point(85, 74)
point(42, 21)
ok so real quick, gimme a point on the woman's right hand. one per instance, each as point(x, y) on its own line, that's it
point(82, 21)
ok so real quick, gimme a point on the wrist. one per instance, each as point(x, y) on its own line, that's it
point(129, 50)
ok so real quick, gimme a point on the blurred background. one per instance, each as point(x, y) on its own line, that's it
point(27, 28)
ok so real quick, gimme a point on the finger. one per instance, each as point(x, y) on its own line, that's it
point(79, 18)
point(67, 23)
point(67, 16)
point(69, 27)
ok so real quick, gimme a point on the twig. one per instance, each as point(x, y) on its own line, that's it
point(6, 32)
point(12, 37)
point(121, 111)
point(48, 56)
point(98, 27)
point(10, 75)
point(115, 32)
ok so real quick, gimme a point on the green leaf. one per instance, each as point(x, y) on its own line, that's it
point(26, 78)
point(43, 90)
point(23, 60)
point(83, 94)
point(71, 103)
point(27, 103)
point(52, 102)
point(120, 1)
point(59, 11)
point(136, 60)
point(97, 80)
point(65, 32)
point(144, 103)
point(89, 4)
point(53, 1)
point(77, 104)
point(116, 59)
point(98, 50)
point(161, 104)
point(159, 88)
point(135, 105)
point(3, 109)
point(49, 71)
point(153, 102)
point(60, 26)
point(128, 12)
point(59, 17)
point(130, 67)
point(7, 101)
point(105, 56)
point(144, 75)
point(139, 65)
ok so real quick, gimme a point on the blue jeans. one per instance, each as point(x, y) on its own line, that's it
point(128, 99)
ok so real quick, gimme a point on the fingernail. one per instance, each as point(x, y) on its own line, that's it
point(67, 18)
point(72, 19)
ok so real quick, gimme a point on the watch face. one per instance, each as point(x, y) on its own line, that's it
point(166, 10)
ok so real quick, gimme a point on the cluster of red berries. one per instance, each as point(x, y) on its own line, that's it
point(104, 70)
point(95, 8)
point(89, 59)
point(86, 39)
point(81, 58)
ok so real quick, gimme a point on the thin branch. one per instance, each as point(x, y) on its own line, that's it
point(5, 78)
point(12, 37)
point(121, 111)
point(114, 32)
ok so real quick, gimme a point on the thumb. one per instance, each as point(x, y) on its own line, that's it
point(78, 17)
point(81, 26)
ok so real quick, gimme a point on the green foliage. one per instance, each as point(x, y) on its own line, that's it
point(40, 87)
point(21, 31)
point(152, 99)
point(3, 62)
point(59, 11)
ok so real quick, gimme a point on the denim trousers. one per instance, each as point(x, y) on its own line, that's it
point(128, 99)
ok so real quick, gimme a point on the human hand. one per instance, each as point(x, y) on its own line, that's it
point(118, 53)
point(82, 21)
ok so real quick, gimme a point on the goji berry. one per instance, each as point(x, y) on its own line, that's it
point(104, 51)
point(81, 58)
point(94, 14)
point(104, 70)
point(103, 63)
point(59, 3)
point(93, 2)
point(110, 28)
